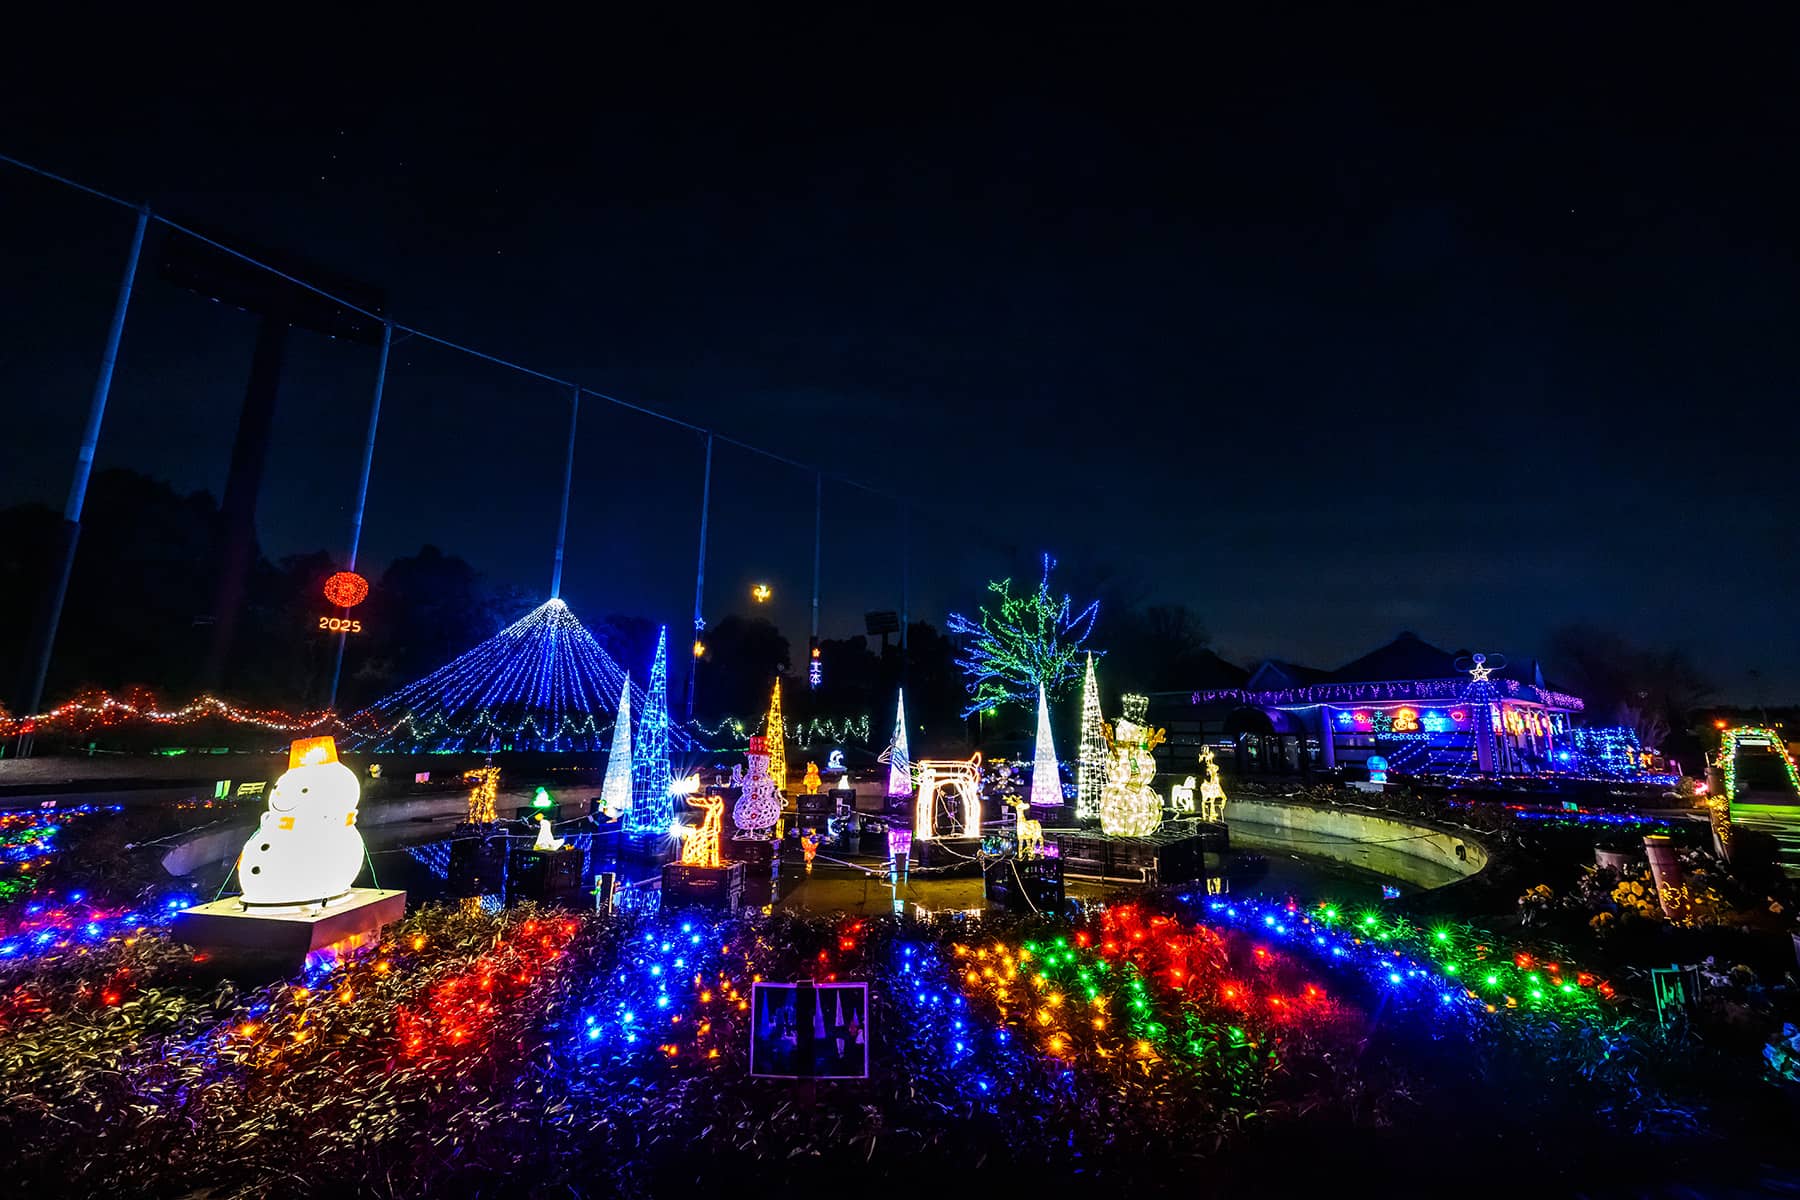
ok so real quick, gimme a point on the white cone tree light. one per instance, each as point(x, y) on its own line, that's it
point(900, 781)
point(615, 788)
point(1046, 776)
point(1090, 771)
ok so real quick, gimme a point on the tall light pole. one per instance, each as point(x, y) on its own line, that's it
point(38, 658)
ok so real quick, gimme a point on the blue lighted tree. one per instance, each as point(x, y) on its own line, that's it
point(652, 808)
point(1028, 642)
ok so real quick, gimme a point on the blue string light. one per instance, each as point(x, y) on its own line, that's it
point(1606, 752)
point(652, 808)
point(542, 683)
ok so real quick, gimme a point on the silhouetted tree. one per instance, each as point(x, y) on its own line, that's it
point(743, 656)
point(142, 578)
point(631, 641)
point(1650, 690)
point(1157, 648)
point(425, 609)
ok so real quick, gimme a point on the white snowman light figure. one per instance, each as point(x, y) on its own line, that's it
point(307, 850)
point(759, 807)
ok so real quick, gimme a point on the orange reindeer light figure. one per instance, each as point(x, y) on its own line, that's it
point(700, 847)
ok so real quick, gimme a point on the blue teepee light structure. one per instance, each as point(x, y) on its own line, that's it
point(542, 683)
point(652, 808)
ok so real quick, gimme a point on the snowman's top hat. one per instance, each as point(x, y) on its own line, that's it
point(310, 752)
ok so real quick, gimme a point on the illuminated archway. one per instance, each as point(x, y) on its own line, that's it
point(960, 776)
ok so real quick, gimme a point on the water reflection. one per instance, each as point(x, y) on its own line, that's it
point(1262, 862)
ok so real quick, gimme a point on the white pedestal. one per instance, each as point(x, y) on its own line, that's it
point(288, 938)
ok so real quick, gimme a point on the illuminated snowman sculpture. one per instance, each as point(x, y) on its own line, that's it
point(1129, 807)
point(759, 807)
point(307, 850)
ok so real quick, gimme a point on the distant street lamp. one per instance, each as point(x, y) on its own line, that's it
point(761, 593)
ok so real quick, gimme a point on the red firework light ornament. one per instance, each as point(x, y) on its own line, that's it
point(346, 589)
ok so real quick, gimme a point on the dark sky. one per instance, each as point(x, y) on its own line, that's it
point(1325, 331)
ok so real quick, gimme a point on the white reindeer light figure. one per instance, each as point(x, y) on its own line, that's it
point(1181, 796)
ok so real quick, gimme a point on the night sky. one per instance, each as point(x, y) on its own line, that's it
point(1324, 332)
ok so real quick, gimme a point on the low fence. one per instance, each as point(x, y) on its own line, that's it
point(1413, 851)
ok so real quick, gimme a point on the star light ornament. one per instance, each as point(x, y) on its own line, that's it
point(1046, 776)
point(306, 849)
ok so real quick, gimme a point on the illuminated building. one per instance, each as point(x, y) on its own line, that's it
point(1417, 706)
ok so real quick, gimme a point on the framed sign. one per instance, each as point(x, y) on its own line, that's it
point(809, 1030)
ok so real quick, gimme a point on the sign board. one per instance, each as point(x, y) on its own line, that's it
point(879, 624)
point(1677, 991)
point(809, 1030)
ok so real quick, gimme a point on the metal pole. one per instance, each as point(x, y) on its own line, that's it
point(39, 658)
point(562, 524)
point(818, 525)
point(362, 492)
point(700, 573)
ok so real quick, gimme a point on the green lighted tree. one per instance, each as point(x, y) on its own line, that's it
point(1029, 642)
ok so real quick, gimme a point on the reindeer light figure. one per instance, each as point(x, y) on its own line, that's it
point(1181, 796)
point(963, 776)
point(1030, 833)
point(1212, 791)
point(700, 847)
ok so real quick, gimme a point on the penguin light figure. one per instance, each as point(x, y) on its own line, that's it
point(307, 850)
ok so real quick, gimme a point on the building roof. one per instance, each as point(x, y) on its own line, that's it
point(1406, 668)
point(1408, 656)
point(1211, 671)
point(1278, 673)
